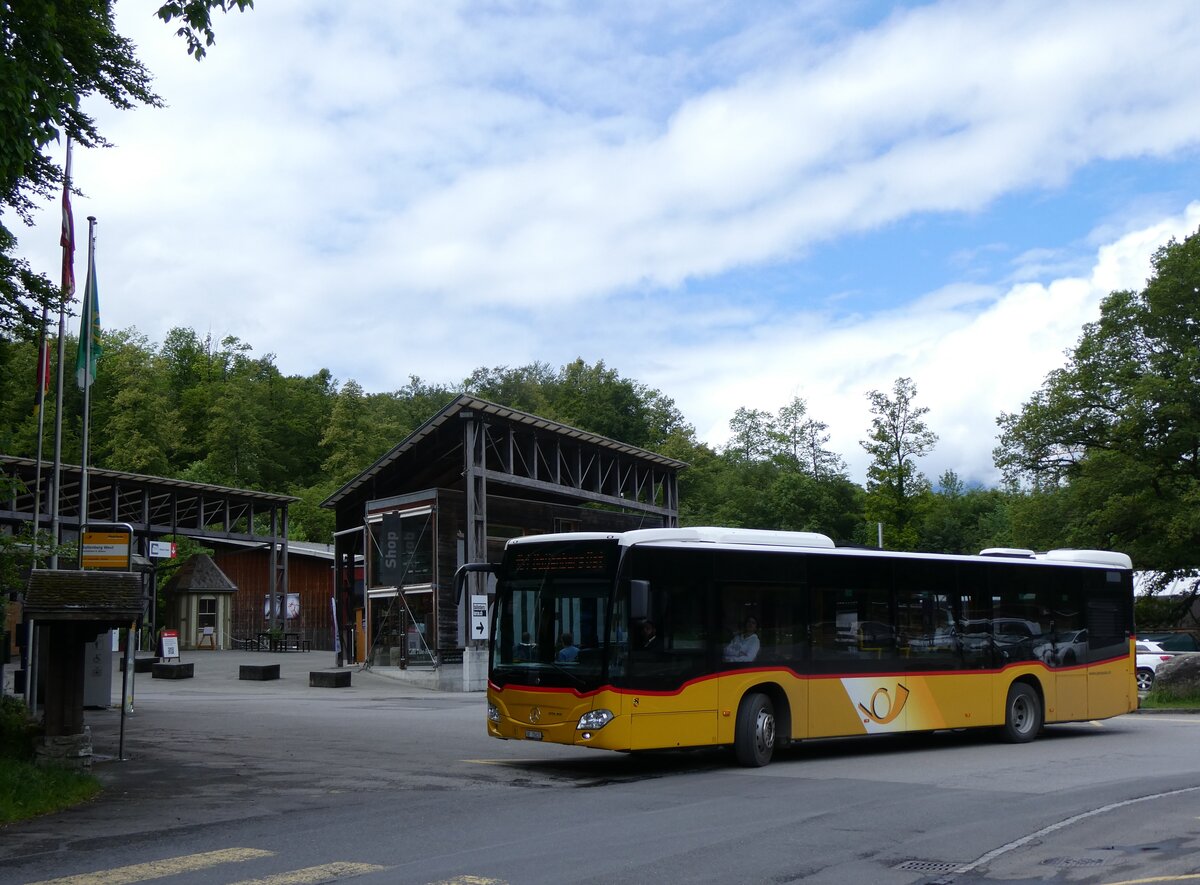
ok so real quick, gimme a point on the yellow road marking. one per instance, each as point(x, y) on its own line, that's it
point(328, 872)
point(470, 880)
point(160, 869)
point(1158, 879)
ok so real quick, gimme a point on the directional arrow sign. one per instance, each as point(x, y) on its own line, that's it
point(479, 628)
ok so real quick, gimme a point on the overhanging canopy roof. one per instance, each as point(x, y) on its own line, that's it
point(471, 404)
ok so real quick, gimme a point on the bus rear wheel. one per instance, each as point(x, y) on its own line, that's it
point(754, 737)
point(1022, 714)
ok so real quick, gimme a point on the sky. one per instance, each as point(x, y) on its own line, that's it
point(736, 204)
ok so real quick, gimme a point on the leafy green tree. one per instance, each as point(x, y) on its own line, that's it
point(347, 438)
point(955, 519)
point(140, 433)
point(1111, 441)
point(195, 20)
point(307, 519)
point(803, 440)
point(56, 54)
point(898, 437)
point(590, 397)
point(752, 436)
point(525, 388)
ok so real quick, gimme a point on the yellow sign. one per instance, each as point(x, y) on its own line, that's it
point(106, 550)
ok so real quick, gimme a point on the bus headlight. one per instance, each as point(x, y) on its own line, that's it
point(594, 720)
point(493, 713)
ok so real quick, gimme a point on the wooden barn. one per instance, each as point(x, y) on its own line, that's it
point(454, 491)
point(307, 608)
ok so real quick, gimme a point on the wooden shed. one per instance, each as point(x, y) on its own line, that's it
point(199, 600)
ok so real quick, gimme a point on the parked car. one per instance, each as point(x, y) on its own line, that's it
point(1066, 648)
point(1172, 640)
point(1149, 656)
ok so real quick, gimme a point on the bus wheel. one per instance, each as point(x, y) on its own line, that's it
point(754, 739)
point(1022, 714)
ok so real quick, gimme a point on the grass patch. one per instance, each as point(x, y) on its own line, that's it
point(27, 790)
point(1161, 700)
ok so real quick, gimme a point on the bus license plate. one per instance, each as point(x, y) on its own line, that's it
point(531, 735)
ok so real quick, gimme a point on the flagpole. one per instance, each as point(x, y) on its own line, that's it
point(43, 367)
point(68, 290)
point(43, 381)
point(86, 334)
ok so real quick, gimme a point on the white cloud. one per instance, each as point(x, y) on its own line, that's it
point(972, 353)
point(389, 189)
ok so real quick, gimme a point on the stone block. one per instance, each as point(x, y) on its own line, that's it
point(73, 751)
point(258, 672)
point(175, 670)
point(141, 663)
point(329, 679)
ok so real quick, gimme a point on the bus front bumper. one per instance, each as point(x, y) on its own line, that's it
point(537, 716)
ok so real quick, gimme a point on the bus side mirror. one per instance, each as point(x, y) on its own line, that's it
point(460, 576)
point(639, 599)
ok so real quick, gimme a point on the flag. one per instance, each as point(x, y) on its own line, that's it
point(43, 371)
point(67, 241)
point(89, 329)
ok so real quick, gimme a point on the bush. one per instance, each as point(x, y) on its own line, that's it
point(18, 731)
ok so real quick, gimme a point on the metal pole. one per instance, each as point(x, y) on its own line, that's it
point(30, 666)
point(68, 291)
point(86, 343)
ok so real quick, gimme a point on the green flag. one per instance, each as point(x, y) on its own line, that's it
point(89, 329)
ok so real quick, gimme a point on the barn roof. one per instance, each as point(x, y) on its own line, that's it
point(470, 404)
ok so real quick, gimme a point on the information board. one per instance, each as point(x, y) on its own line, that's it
point(110, 548)
point(170, 644)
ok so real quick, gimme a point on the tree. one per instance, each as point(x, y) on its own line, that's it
point(1112, 439)
point(195, 18)
point(347, 436)
point(753, 435)
point(56, 53)
point(957, 519)
point(898, 437)
point(803, 440)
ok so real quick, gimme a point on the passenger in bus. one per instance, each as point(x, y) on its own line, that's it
point(569, 650)
point(744, 645)
point(650, 636)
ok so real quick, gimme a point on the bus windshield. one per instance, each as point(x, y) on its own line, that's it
point(551, 610)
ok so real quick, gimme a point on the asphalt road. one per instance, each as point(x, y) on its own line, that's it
point(275, 782)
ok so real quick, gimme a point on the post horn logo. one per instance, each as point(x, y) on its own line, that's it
point(535, 715)
point(883, 709)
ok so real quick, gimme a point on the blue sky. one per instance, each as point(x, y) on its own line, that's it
point(734, 203)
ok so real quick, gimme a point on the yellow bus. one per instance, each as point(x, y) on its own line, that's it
point(700, 637)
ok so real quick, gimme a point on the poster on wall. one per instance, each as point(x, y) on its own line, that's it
point(291, 610)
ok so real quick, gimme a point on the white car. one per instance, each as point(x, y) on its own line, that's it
point(1149, 656)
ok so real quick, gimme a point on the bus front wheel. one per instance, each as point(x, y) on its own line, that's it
point(754, 738)
point(1022, 714)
